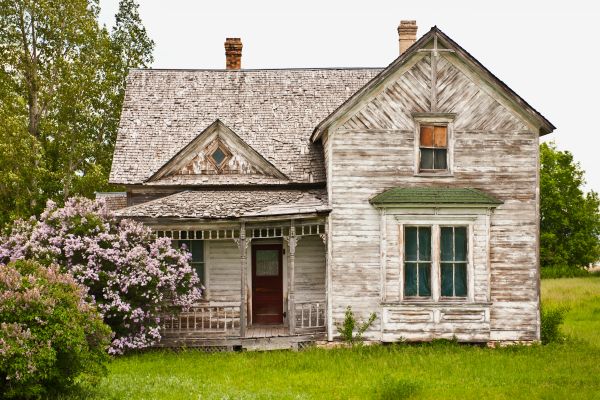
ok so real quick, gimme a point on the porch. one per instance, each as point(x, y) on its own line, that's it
point(265, 285)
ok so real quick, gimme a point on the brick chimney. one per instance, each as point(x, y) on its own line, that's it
point(233, 53)
point(407, 33)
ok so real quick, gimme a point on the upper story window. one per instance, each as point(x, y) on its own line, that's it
point(433, 147)
point(433, 144)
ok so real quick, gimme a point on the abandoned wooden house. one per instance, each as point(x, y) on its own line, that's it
point(411, 191)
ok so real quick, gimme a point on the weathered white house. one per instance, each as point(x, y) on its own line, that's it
point(411, 191)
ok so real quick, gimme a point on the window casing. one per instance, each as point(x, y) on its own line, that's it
point(436, 262)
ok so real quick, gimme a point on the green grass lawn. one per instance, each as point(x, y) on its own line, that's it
point(434, 371)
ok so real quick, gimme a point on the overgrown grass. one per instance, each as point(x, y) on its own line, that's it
point(441, 370)
point(581, 296)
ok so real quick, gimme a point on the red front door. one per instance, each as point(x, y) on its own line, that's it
point(267, 284)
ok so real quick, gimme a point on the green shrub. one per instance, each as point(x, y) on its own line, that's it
point(50, 337)
point(563, 272)
point(551, 320)
point(346, 329)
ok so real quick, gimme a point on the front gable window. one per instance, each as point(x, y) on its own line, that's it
point(433, 146)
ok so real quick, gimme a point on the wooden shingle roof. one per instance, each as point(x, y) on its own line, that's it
point(273, 111)
point(223, 204)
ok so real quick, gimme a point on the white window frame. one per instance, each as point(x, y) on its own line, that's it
point(436, 119)
point(436, 222)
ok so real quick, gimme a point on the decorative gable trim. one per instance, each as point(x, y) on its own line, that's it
point(437, 43)
point(218, 137)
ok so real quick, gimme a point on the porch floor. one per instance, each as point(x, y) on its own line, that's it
point(265, 331)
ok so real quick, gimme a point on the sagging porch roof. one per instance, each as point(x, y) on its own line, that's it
point(227, 204)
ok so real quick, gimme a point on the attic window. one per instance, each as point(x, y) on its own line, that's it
point(218, 156)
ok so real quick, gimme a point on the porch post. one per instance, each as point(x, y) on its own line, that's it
point(292, 283)
point(243, 246)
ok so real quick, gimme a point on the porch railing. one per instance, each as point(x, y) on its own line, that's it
point(204, 320)
point(310, 315)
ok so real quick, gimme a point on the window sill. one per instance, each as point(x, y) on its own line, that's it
point(434, 174)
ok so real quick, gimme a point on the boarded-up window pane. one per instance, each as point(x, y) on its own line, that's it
point(440, 136)
point(410, 279)
point(426, 159)
point(427, 136)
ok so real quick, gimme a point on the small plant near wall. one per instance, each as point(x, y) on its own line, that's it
point(351, 330)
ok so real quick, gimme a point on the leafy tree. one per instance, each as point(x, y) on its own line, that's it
point(570, 219)
point(62, 79)
point(132, 276)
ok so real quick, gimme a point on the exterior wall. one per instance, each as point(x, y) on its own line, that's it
point(494, 151)
point(222, 258)
point(310, 269)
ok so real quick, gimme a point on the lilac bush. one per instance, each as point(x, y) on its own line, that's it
point(51, 337)
point(130, 274)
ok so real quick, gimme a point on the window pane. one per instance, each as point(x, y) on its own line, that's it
point(410, 243)
point(460, 280)
point(460, 243)
point(183, 244)
point(426, 136)
point(410, 279)
point(446, 280)
point(197, 249)
point(446, 243)
point(426, 159)
point(424, 279)
point(267, 262)
point(440, 159)
point(424, 243)
point(440, 136)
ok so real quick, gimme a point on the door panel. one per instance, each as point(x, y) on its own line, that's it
point(267, 284)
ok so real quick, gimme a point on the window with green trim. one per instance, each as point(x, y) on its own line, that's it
point(196, 247)
point(417, 261)
point(453, 261)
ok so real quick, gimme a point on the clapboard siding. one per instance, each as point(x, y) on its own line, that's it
point(494, 151)
point(223, 265)
point(310, 269)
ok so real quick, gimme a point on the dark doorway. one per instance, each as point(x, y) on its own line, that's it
point(267, 284)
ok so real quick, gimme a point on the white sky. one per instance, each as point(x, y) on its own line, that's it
point(544, 50)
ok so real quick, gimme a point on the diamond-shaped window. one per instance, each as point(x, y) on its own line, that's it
point(218, 156)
